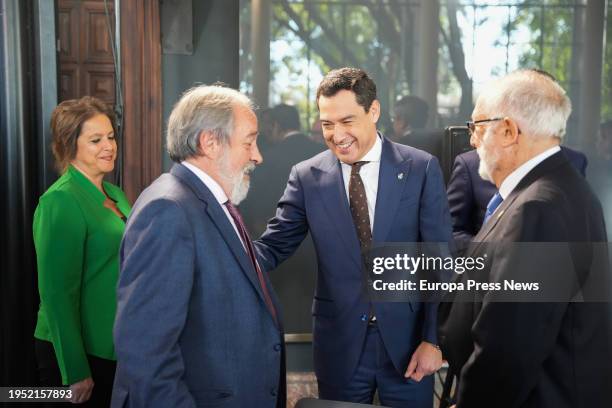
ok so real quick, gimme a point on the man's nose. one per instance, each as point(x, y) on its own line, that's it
point(256, 155)
point(474, 140)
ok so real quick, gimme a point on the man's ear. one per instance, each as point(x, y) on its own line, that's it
point(374, 111)
point(208, 145)
point(511, 132)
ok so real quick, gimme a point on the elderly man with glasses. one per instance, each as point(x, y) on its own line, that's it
point(510, 349)
point(468, 193)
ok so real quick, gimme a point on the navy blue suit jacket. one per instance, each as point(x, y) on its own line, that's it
point(469, 194)
point(192, 327)
point(409, 208)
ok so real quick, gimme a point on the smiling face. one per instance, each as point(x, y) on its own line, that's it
point(96, 147)
point(349, 131)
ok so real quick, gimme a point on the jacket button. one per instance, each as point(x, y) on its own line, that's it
point(364, 317)
point(273, 392)
point(277, 347)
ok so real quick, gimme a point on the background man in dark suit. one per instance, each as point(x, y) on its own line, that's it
point(291, 146)
point(469, 194)
point(513, 354)
point(410, 115)
point(197, 322)
point(365, 189)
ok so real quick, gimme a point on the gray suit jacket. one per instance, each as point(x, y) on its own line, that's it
point(192, 327)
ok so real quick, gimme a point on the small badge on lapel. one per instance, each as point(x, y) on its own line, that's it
point(400, 176)
point(500, 214)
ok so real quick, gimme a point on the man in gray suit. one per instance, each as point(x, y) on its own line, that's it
point(198, 323)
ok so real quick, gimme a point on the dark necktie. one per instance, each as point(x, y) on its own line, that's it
point(246, 240)
point(496, 200)
point(361, 218)
point(359, 207)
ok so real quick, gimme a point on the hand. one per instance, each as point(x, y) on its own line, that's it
point(81, 391)
point(426, 360)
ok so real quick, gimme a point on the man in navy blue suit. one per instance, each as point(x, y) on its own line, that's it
point(469, 194)
point(198, 324)
point(365, 189)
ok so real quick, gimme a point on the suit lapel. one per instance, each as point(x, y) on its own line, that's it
point(391, 183)
point(537, 172)
point(333, 194)
point(220, 220)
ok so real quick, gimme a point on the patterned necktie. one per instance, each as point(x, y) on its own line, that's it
point(359, 207)
point(246, 240)
point(361, 218)
point(492, 206)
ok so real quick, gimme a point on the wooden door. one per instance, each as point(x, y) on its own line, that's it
point(85, 56)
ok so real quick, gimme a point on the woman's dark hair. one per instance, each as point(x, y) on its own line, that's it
point(66, 123)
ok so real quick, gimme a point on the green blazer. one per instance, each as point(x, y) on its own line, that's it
point(77, 249)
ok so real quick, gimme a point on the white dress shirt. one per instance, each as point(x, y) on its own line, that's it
point(217, 191)
point(517, 175)
point(369, 176)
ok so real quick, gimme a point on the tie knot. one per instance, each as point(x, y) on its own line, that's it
point(232, 209)
point(355, 167)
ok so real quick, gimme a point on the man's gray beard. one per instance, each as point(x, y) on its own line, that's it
point(240, 184)
point(487, 161)
point(483, 170)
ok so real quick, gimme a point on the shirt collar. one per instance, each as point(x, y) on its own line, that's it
point(517, 175)
point(374, 154)
point(209, 182)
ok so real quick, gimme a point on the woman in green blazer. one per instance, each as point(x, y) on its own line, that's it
point(78, 226)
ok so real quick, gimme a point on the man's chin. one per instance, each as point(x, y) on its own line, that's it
point(483, 172)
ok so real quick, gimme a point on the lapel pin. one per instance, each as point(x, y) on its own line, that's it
point(400, 176)
point(500, 214)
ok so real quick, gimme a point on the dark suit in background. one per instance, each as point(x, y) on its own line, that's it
point(468, 194)
point(270, 179)
point(429, 140)
point(534, 354)
point(295, 278)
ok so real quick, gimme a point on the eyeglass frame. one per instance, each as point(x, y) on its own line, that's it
point(471, 125)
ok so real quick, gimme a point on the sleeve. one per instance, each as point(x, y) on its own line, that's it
point(288, 228)
point(461, 202)
point(504, 367)
point(157, 272)
point(435, 227)
point(60, 233)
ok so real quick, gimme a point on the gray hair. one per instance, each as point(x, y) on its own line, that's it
point(204, 108)
point(535, 101)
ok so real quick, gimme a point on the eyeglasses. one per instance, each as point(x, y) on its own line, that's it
point(471, 125)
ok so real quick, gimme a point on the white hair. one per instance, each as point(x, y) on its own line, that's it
point(535, 101)
point(202, 108)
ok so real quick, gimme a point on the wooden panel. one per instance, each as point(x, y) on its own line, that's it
point(141, 72)
point(68, 32)
point(96, 46)
point(85, 56)
point(99, 81)
point(68, 82)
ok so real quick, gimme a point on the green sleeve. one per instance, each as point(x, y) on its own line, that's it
point(59, 236)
